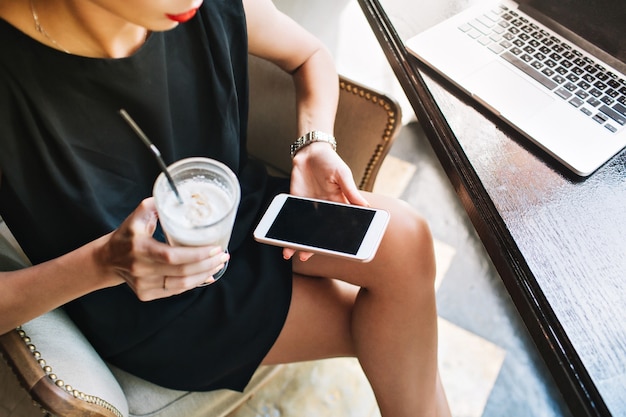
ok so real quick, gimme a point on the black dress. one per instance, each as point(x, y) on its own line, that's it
point(73, 170)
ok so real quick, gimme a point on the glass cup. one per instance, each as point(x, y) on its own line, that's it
point(210, 196)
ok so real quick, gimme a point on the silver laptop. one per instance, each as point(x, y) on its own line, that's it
point(553, 69)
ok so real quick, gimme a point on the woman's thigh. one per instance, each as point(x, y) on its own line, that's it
point(406, 249)
point(325, 289)
point(318, 322)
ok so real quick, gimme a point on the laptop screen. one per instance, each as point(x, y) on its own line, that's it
point(600, 22)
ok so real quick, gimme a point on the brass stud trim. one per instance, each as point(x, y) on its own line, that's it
point(60, 383)
point(386, 134)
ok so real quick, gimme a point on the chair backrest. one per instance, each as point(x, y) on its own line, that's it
point(366, 125)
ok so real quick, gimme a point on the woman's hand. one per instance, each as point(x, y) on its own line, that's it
point(151, 268)
point(319, 172)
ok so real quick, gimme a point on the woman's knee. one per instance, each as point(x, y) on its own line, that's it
point(409, 244)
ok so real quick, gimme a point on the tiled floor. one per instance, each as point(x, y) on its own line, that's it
point(488, 363)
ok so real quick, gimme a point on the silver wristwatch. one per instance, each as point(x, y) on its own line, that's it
point(309, 138)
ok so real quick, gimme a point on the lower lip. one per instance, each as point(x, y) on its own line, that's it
point(183, 17)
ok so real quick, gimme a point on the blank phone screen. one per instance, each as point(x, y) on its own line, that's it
point(326, 226)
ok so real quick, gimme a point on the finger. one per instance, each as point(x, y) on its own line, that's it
point(288, 253)
point(180, 263)
point(165, 255)
point(305, 256)
point(351, 191)
point(143, 219)
point(177, 285)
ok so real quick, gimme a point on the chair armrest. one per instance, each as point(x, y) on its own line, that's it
point(56, 364)
point(366, 125)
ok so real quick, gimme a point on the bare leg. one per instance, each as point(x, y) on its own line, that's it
point(390, 323)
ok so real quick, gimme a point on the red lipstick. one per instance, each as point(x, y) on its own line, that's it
point(183, 17)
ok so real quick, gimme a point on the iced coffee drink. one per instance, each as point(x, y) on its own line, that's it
point(205, 212)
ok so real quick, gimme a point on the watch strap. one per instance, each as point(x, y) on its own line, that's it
point(311, 137)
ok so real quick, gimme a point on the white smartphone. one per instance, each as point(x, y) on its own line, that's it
point(323, 227)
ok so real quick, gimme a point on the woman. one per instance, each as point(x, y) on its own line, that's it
point(75, 189)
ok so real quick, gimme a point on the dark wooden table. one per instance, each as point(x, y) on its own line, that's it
point(558, 241)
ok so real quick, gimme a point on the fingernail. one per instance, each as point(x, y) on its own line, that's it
point(208, 281)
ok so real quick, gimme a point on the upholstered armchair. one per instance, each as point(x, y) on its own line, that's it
point(48, 365)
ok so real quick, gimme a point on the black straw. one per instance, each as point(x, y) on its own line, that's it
point(154, 150)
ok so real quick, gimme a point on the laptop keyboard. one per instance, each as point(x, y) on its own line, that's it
point(555, 64)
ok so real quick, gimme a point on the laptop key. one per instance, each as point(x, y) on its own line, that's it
point(550, 63)
point(620, 108)
point(588, 77)
point(607, 100)
point(576, 102)
point(485, 20)
point(619, 118)
point(561, 70)
point(582, 94)
point(526, 57)
point(611, 93)
point(596, 93)
point(599, 85)
point(528, 49)
point(543, 80)
point(474, 34)
point(594, 101)
point(494, 47)
point(484, 41)
point(563, 93)
point(479, 26)
point(600, 118)
point(573, 78)
point(570, 86)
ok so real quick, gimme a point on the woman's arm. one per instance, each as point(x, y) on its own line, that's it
point(30, 292)
point(317, 169)
point(277, 38)
point(127, 255)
